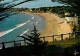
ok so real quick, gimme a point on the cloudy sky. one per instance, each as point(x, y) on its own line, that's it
point(36, 3)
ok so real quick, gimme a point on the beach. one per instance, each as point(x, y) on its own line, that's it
point(54, 26)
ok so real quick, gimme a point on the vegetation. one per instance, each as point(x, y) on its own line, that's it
point(33, 38)
point(73, 3)
point(57, 48)
point(58, 9)
point(34, 41)
point(66, 43)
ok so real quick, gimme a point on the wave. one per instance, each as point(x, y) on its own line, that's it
point(20, 25)
point(39, 18)
point(32, 16)
point(8, 31)
point(24, 32)
point(36, 23)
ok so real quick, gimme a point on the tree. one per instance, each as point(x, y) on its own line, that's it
point(33, 38)
point(71, 2)
point(33, 41)
point(75, 4)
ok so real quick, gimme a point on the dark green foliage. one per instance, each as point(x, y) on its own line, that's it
point(66, 43)
point(28, 51)
point(58, 48)
point(73, 3)
point(58, 9)
point(71, 50)
point(34, 41)
point(33, 38)
point(49, 50)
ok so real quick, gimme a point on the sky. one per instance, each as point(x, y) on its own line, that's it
point(36, 3)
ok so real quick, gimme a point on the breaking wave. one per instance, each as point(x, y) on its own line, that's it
point(24, 32)
point(8, 31)
point(32, 16)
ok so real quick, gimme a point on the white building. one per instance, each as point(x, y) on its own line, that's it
point(71, 19)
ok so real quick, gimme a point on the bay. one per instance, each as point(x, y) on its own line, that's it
point(15, 25)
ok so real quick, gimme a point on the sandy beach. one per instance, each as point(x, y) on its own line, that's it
point(54, 26)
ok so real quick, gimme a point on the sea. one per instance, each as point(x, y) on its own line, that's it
point(18, 25)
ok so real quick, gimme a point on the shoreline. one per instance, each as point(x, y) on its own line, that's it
point(54, 25)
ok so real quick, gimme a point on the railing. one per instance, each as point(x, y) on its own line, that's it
point(60, 37)
point(15, 43)
point(44, 39)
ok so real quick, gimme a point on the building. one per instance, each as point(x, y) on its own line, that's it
point(71, 18)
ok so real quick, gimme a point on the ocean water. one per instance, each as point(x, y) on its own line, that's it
point(19, 24)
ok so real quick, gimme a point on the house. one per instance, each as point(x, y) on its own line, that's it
point(30, 10)
point(71, 18)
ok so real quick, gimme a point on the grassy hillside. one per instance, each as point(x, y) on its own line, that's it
point(65, 43)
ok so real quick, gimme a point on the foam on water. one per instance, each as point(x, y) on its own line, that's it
point(24, 32)
point(36, 23)
point(8, 31)
point(32, 16)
